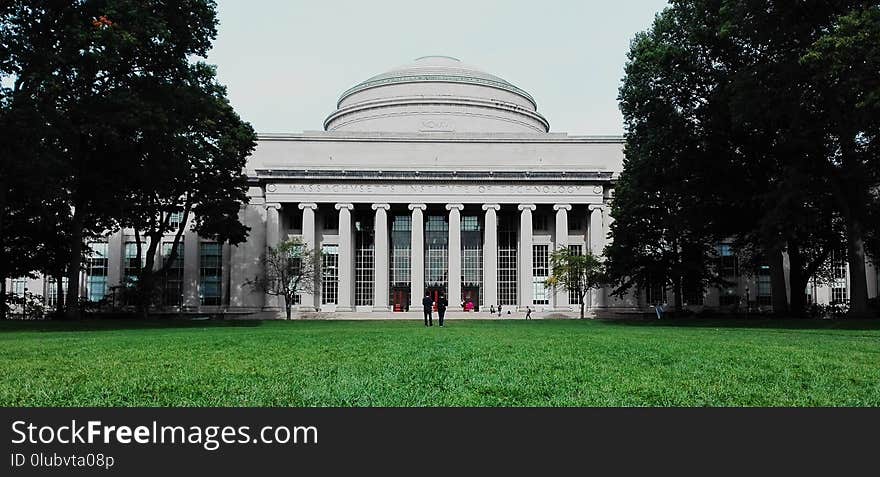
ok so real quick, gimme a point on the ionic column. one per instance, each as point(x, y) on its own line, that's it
point(490, 254)
point(381, 253)
point(453, 277)
point(597, 246)
point(561, 295)
point(346, 259)
point(417, 257)
point(308, 300)
point(273, 237)
point(526, 295)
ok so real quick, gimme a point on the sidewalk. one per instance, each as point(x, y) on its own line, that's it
point(450, 315)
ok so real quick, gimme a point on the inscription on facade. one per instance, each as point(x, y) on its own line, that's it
point(438, 125)
point(513, 189)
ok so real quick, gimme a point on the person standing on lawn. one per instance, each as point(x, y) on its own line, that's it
point(528, 313)
point(427, 305)
point(441, 308)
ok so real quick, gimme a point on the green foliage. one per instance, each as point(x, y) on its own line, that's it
point(750, 121)
point(291, 268)
point(121, 123)
point(575, 273)
point(394, 363)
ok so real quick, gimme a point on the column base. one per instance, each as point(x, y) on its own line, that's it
point(306, 309)
point(344, 308)
point(381, 308)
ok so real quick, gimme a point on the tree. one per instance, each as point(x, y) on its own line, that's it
point(845, 68)
point(291, 268)
point(663, 205)
point(193, 169)
point(103, 76)
point(575, 273)
point(722, 117)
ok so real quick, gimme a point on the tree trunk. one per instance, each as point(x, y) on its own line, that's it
point(777, 281)
point(287, 307)
point(74, 265)
point(59, 294)
point(582, 307)
point(798, 279)
point(676, 293)
point(858, 280)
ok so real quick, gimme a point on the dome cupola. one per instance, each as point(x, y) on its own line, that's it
point(436, 94)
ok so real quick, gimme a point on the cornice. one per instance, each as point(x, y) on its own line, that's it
point(439, 137)
point(422, 175)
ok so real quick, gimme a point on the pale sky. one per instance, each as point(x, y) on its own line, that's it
point(285, 62)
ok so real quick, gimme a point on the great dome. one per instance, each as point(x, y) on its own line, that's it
point(436, 94)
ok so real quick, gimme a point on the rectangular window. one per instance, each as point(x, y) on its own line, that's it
point(693, 293)
point(52, 291)
point(763, 295)
point(399, 264)
point(470, 223)
point(210, 273)
point(175, 220)
point(655, 294)
point(573, 297)
point(96, 271)
point(131, 265)
point(727, 260)
point(540, 272)
point(839, 292)
point(172, 287)
point(363, 263)
point(19, 285)
point(838, 264)
point(436, 251)
point(471, 260)
point(330, 274)
point(507, 260)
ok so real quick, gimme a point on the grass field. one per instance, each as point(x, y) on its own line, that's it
point(486, 363)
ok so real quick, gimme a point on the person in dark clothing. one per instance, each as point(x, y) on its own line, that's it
point(441, 308)
point(528, 313)
point(428, 304)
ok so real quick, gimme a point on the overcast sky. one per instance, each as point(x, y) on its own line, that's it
point(286, 62)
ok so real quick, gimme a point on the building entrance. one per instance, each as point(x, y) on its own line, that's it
point(435, 293)
point(400, 299)
point(470, 298)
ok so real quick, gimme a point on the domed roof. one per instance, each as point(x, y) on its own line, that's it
point(436, 68)
point(436, 94)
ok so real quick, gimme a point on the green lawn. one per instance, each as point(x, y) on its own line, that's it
point(467, 363)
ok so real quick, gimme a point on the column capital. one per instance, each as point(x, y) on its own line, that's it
point(530, 207)
point(417, 206)
point(458, 207)
point(562, 207)
point(344, 206)
point(381, 206)
point(273, 205)
point(494, 207)
point(304, 206)
point(593, 207)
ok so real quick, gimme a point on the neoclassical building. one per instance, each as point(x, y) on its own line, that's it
point(432, 177)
